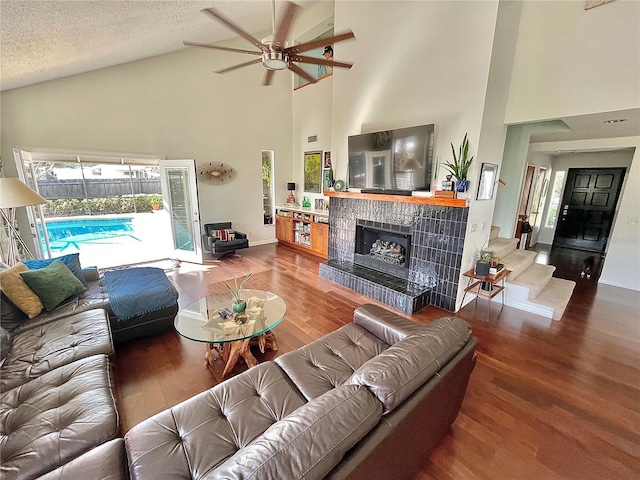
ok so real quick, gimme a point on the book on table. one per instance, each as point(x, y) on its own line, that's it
point(497, 269)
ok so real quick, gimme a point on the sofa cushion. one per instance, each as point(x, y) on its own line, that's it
point(52, 419)
point(72, 261)
point(194, 437)
point(93, 298)
point(13, 286)
point(398, 371)
point(308, 443)
point(328, 362)
point(53, 284)
point(10, 316)
point(5, 344)
point(105, 462)
point(51, 345)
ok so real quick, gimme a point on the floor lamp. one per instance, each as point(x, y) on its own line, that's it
point(14, 194)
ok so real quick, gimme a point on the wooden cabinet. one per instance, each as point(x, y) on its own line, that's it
point(303, 229)
point(284, 229)
point(320, 239)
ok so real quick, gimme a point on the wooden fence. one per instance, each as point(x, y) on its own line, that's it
point(97, 188)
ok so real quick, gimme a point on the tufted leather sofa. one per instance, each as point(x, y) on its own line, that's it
point(370, 400)
point(57, 401)
point(56, 390)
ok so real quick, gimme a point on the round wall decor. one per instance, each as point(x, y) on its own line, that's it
point(216, 173)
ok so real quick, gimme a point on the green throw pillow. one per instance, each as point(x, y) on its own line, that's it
point(53, 283)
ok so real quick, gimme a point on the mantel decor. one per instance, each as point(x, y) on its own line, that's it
point(216, 173)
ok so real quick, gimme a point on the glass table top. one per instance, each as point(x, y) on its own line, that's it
point(206, 321)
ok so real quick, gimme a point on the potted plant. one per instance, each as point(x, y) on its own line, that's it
point(156, 201)
point(239, 305)
point(484, 258)
point(460, 165)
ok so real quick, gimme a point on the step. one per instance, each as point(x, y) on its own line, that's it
point(518, 261)
point(535, 278)
point(501, 247)
point(556, 294)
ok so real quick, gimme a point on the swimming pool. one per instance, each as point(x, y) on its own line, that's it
point(65, 233)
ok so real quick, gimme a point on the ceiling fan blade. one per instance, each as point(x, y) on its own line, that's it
point(228, 49)
point(245, 64)
point(296, 69)
point(303, 47)
point(320, 61)
point(244, 34)
point(268, 77)
point(285, 24)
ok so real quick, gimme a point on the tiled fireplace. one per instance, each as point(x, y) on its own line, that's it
point(401, 251)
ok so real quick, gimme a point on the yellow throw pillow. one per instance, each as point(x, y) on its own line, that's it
point(18, 292)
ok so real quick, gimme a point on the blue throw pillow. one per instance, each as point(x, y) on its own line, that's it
point(72, 261)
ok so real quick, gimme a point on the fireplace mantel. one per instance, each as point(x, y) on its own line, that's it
point(443, 202)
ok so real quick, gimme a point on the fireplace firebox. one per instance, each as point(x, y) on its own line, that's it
point(383, 247)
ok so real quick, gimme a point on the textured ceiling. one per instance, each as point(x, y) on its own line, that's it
point(44, 40)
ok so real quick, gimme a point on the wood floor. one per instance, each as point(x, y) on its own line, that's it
point(547, 400)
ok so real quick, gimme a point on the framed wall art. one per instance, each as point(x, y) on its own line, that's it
point(313, 172)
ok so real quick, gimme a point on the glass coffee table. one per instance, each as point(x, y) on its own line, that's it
point(228, 335)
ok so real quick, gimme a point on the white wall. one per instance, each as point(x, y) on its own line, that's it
point(173, 106)
point(572, 61)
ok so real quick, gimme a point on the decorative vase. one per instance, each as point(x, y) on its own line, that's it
point(482, 268)
point(462, 185)
point(239, 307)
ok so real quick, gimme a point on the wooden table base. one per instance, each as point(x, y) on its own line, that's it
point(232, 352)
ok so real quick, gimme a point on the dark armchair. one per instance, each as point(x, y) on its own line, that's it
point(220, 239)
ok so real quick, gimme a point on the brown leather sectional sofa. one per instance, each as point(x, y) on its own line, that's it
point(370, 400)
point(56, 387)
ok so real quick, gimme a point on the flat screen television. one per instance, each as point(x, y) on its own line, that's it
point(392, 161)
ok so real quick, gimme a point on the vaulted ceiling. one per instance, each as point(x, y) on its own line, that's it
point(45, 40)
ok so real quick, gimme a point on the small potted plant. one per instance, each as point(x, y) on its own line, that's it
point(460, 165)
point(483, 263)
point(239, 305)
point(156, 201)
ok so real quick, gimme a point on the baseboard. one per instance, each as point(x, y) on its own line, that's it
point(262, 242)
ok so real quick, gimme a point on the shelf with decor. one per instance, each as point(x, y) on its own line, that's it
point(306, 229)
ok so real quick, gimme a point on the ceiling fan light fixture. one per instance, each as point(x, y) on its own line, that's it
point(275, 60)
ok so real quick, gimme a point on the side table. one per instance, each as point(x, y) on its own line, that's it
point(475, 282)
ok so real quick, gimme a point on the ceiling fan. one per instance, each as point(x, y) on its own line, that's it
point(273, 50)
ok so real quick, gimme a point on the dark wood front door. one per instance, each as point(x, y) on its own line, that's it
point(587, 209)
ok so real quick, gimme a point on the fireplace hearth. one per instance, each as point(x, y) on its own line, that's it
point(432, 237)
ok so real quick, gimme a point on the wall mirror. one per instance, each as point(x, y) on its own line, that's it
point(488, 180)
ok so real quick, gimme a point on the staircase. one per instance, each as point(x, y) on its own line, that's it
point(530, 286)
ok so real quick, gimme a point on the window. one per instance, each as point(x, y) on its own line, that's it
point(556, 195)
point(267, 187)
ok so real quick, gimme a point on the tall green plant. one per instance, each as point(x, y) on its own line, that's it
point(459, 168)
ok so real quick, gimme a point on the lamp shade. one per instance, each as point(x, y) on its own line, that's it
point(14, 193)
point(291, 185)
